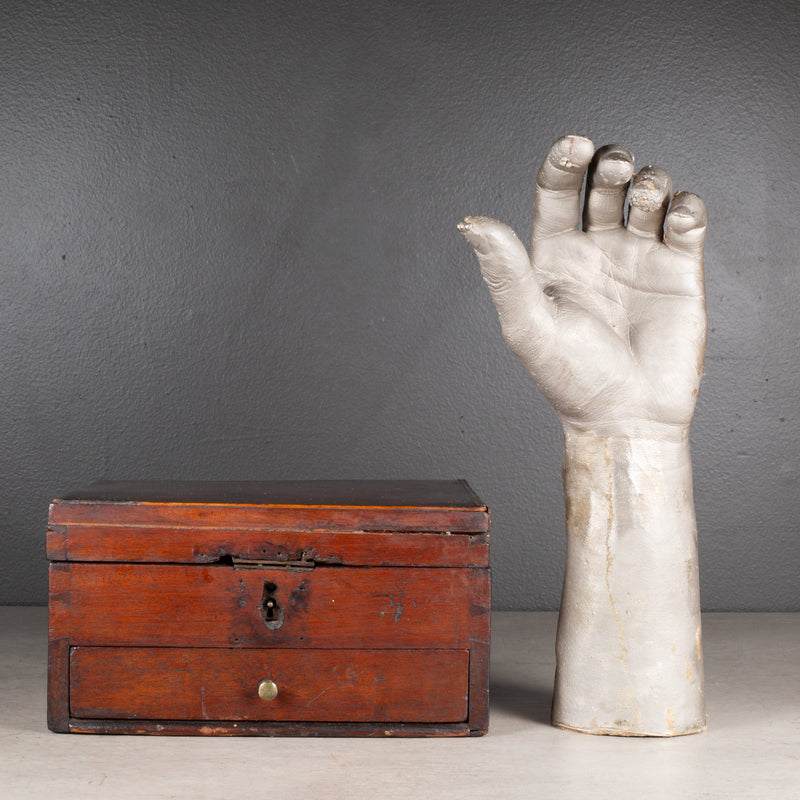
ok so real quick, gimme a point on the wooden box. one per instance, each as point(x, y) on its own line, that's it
point(270, 608)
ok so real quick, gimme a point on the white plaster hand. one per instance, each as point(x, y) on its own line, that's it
point(609, 320)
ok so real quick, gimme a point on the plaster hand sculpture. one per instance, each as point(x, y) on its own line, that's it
point(610, 321)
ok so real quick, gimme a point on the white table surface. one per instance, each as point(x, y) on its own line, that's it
point(751, 748)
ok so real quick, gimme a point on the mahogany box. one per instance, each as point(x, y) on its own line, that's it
point(339, 608)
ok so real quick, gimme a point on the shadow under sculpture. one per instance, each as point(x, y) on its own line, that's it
point(610, 321)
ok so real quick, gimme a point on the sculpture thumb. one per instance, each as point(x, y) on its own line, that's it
point(502, 256)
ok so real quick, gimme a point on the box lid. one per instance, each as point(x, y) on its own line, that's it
point(355, 522)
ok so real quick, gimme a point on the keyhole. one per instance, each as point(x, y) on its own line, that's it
point(271, 612)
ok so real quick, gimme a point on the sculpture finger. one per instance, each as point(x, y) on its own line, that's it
point(525, 316)
point(557, 203)
point(606, 188)
point(685, 225)
point(649, 199)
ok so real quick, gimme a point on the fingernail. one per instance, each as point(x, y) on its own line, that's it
point(571, 152)
point(615, 164)
point(651, 187)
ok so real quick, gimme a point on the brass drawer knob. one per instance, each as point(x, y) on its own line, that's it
point(267, 690)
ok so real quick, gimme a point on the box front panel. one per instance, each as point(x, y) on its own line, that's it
point(327, 607)
point(283, 685)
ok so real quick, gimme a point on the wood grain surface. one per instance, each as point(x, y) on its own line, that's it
point(195, 545)
point(313, 685)
point(218, 606)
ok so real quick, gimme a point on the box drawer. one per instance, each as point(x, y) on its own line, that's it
point(176, 605)
point(413, 686)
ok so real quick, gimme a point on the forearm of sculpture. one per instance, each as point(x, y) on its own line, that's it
point(629, 654)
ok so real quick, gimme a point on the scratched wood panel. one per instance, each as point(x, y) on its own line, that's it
point(219, 606)
point(257, 518)
point(480, 635)
point(58, 648)
point(190, 727)
point(196, 545)
point(279, 505)
point(313, 685)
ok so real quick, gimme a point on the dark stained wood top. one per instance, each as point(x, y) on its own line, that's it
point(339, 493)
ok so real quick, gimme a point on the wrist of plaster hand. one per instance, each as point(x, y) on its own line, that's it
point(625, 429)
point(637, 479)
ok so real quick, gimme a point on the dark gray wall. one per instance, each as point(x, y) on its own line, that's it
point(228, 250)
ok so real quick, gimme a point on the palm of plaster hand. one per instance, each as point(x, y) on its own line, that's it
point(609, 320)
